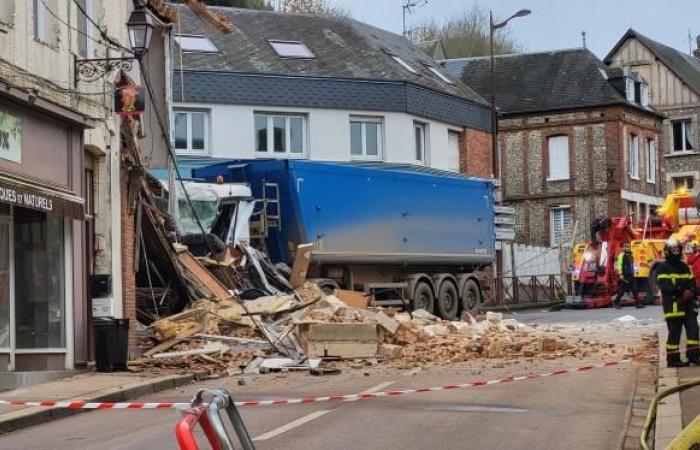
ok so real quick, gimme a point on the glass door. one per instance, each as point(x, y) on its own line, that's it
point(5, 279)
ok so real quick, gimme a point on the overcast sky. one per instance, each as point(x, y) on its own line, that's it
point(555, 24)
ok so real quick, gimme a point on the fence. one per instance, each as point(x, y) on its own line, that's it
point(530, 275)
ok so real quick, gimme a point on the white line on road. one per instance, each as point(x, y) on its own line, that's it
point(314, 415)
point(291, 425)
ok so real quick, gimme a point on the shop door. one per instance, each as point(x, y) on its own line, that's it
point(5, 279)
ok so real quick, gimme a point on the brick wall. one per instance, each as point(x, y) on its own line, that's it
point(475, 153)
point(128, 275)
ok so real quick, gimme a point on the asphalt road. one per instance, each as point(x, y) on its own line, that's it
point(577, 411)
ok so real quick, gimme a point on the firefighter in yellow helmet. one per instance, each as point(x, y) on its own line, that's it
point(678, 297)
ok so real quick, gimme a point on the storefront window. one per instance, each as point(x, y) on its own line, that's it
point(39, 280)
point(4, 276)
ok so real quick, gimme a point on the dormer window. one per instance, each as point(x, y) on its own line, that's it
point(291, 49)
point(644, 99)
point(629, 89)
point(195, 44)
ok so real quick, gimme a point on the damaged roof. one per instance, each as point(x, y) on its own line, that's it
point(342, 48)
point(686, 67)
point(552, 80)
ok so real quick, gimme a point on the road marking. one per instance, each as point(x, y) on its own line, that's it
point(291, 425)
point(314, 415)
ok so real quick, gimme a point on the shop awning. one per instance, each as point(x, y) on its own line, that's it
point(52, 201)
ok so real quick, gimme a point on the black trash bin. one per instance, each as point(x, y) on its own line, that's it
point(111, 344)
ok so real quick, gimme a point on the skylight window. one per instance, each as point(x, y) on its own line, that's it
point(404, 64)
point(199, 44)
point(291, 49)
point(439, 74)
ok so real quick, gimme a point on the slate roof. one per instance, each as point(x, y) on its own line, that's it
point(685, 66)
point(528, 82)
point(343, 48)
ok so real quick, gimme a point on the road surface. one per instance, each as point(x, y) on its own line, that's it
point(577, 411)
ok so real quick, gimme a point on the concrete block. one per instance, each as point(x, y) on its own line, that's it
point(390, 351)
point(384, 321)
point(338, 339)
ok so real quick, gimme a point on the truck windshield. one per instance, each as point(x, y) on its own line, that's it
point(206, 211)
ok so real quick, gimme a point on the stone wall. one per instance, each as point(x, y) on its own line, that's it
point(598, 167)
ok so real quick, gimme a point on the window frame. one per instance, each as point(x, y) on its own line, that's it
point(557, 177)
point(270, 152)
point(403, 64)
point(39, 21)
point(178, 40)
point(633, 150)
point(434, 70)
point(685, 179)
point(189, 150)
point(272, 42)
point(651, 161)
point(683, 148)
point(553, 210)
point(363, 121)
point(423, 127)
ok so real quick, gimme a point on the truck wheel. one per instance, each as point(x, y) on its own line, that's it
point(423, 297)
point(448, 301)
point(471, 297)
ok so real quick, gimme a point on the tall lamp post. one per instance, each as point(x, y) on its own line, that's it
point(494, 115)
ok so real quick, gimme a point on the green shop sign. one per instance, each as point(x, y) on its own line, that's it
point(10, 137)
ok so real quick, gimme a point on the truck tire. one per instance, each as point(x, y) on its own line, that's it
point(471, 297)
point(448, 301)
point(423, 297)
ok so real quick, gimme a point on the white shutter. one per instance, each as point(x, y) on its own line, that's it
point(558, 147)
point(453, 151)
point(651, 161)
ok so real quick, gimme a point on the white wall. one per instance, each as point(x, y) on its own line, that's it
point(232, 134)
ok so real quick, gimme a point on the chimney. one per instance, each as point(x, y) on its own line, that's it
point(696, 52)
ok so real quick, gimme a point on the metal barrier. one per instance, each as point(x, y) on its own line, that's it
point(208, 416)
point(530, 289)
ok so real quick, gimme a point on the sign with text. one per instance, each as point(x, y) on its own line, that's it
point(10, 137)
point(505, 234)
point(40, 200)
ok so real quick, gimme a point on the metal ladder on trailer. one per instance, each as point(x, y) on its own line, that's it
point(268, 217)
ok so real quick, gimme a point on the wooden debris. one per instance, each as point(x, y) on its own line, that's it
point(181, 336)
point(302, 259)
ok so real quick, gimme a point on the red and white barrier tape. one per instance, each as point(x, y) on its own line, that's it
point(303, 400)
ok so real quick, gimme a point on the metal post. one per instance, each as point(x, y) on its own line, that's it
point(494, 116)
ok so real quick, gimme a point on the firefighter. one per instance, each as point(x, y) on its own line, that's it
point(625, 269)
point(680, 309)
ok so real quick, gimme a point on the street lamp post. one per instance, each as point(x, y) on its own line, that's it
point(494, 114)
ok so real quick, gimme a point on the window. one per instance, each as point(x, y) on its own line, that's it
point(453, 138)
point(280, 134)
point(687, 183)
point(645, 99)
point(195, 44)
point(558, 148)
point(39, 20)
point(191, 132)
point(629, 89)
point(366, 136)
point(439, 74)
point(84, 28)
point(651, 161)
point(291, 49)
point(560, 225)
point(683, 136)
point(39, 294)
point(634, 156)
point(89, 193)
point(404, 64)
point(419, 130)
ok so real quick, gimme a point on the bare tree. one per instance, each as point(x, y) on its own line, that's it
point(466, 35)
point(315, 7)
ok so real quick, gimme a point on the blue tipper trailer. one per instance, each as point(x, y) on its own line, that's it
point(397, 231)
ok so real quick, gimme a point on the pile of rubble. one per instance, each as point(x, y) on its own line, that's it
point(304, 329)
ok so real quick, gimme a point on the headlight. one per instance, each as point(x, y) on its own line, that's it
point(588, 256)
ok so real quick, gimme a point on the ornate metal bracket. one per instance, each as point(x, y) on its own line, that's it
point(90, 70)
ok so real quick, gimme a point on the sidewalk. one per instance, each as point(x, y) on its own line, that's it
point(86, 387)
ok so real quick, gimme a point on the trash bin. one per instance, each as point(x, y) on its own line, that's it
point(111, 344)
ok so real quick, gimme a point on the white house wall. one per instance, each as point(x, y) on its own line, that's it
point(232, 135)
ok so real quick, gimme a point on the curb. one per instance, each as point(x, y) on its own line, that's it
point(669, 422)
point(522, 306)
point(29, 417)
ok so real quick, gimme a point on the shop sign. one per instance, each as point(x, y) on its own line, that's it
point(129, 100)
point(38, 200)
point(10, 137)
